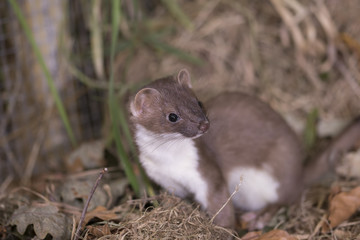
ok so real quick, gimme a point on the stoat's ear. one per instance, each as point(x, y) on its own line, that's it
point(143, 100)
point(183, 77)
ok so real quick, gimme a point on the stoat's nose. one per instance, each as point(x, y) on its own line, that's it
point(204, 126)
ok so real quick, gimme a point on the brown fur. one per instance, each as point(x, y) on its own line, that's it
point(247, 132)
point(218, 191)
point(164, 96)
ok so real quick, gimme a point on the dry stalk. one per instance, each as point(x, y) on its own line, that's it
point(35, 150)
point(73, 227)
point(290, 20)
point(349, 78)
point(309, 71)
point(9, 114)
point(237, 188)
point(5, 184)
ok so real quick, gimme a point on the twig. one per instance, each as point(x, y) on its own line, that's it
point(11, 158)
point(11, 101)
point(349, 78)
point(62, 177)
point(292, 21)
point(5, 184)
point(309, 71)
point(318, 226)
point(104, 170)
point(347, 224)
point(237, 188)
point(35, 150)
point(31, 191)
point(73, 228)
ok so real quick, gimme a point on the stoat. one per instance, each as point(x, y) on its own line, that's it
point(206, 153)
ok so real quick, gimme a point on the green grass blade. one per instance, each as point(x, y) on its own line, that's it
point(178, 13)
point(125, 127)
point(44, 68)
point(113, 105)
point(310, 129)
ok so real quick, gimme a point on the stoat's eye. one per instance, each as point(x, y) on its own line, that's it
point(172, 117)
point(201, 105)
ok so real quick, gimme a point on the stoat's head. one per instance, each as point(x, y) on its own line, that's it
point(169, 105)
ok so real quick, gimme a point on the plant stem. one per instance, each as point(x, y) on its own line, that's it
point(44, 68)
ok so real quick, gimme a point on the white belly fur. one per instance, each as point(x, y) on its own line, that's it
point(257, 188)
point(171, 160)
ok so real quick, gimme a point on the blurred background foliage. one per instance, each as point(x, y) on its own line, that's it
point(68, 68)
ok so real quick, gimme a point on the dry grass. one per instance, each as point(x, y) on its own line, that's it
point(305, 219)
point(171, 219)
point(287, 52)
point(174, 218)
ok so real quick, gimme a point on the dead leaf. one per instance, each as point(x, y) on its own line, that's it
point(275, 234)
point(341, 207)
point(251, 235)
point(102, 213)
point(88, 156)
point(99, 231)
point(46, 220)
point(75, 192)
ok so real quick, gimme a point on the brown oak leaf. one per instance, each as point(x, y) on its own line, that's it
point(45, 218)
point(251, 235)
point(341, 207)
point(275, 234)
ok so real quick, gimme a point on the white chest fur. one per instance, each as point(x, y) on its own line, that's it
point(171, 160)
point(257, 190)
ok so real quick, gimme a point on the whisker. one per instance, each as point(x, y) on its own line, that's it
point(157, 140)
point(171, 142)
